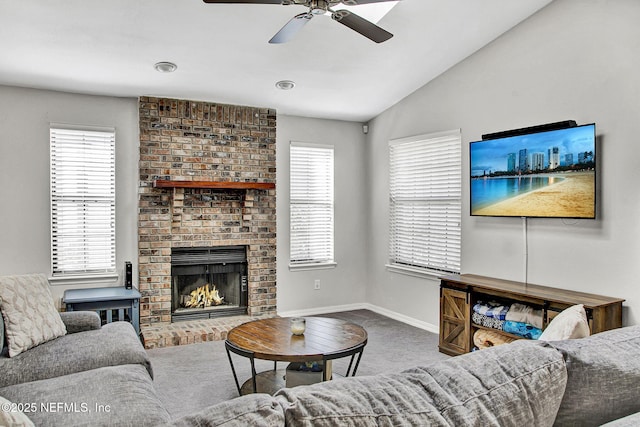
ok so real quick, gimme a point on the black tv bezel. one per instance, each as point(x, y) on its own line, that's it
point(551, 127)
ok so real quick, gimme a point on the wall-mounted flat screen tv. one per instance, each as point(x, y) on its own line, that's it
point(549, 174)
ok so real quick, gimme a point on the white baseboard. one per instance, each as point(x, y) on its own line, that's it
point(363, 306)
point(323, 310)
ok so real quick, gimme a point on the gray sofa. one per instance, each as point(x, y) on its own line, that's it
point(583, 382)
point(92, 376)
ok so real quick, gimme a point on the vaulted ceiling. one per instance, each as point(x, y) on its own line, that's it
point(223, 55)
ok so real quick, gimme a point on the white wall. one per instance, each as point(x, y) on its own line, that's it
point(572, 60)
point(346, 283)
point(25, 115)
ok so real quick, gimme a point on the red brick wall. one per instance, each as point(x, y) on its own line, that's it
point(200, 141)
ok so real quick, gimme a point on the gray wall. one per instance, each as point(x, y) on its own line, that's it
point(346, 283)
point(572, 60)
point(25, 115)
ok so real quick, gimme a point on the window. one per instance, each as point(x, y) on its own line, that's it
point(425, 203)
point(82, 201)
point(311, 204)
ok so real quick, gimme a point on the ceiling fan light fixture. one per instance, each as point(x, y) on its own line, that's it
point(165, 67)
point(285, 85)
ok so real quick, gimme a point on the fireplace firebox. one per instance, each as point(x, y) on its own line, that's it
point(208, 282)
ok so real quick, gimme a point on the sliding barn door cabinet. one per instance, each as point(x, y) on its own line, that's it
point(459, 293)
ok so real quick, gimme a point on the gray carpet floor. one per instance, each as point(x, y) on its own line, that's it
point(189, 378)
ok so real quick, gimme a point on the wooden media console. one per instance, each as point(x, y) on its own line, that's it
point(459, 293)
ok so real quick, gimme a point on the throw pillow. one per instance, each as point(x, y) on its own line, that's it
point(10, 416)
point(30, 317)
point(570, 323)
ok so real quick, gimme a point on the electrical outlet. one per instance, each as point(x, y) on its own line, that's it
point(316, 285)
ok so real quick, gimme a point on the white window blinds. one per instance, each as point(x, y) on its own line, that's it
point(311, 204)
point(425, 202)
point(82, 201)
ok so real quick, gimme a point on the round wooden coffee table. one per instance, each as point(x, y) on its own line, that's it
point(324, 340)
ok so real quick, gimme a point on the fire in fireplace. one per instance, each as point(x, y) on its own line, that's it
point(208, 282)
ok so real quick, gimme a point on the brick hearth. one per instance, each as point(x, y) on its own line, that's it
point(198, 141)
point(191, 332)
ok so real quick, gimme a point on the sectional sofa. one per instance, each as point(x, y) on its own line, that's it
point(93, 375)
point(102, 376)
point(581, 382)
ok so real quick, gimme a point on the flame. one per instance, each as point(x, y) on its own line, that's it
point(204, 297)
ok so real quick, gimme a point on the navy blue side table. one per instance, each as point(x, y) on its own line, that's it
point(105, 301)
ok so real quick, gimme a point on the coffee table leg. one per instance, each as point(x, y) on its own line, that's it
point(355, 368)
point(235, 377)
point(350, 363)
point(253, 375)
point(359, 354)
point(230, 348)
point(327, 369)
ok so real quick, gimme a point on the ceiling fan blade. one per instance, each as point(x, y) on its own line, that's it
point(357, 2)
point(291, 28)
point(245, 1)
point(361, 25)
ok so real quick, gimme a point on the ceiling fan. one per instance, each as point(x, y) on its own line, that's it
point(321, 7)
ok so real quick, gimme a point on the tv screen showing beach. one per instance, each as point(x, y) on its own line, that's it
point(547, 174)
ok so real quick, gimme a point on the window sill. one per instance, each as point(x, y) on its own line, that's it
point(416, 272)
point(79, 279)
point(312, 266)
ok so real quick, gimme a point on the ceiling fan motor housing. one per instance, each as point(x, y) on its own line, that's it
point(319, 7)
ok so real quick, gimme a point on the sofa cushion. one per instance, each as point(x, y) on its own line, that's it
point(111, 396)
point(255, 410)
point(571, 323)
point(114, 344)
point(521, 383)
point(29, 314)
point(603, 377)
point(11, 414)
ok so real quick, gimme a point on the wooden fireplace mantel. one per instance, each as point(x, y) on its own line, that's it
point(226, 185)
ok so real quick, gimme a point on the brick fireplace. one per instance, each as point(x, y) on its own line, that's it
point(207, 179)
